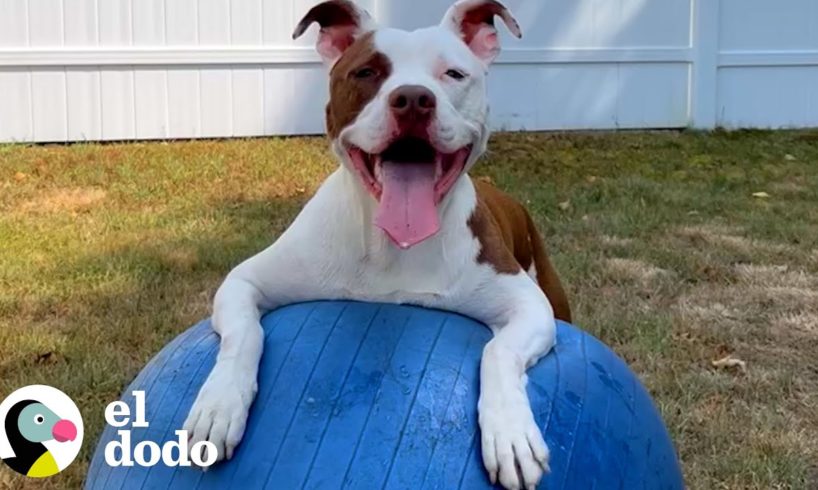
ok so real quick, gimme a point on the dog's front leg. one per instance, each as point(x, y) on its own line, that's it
point(220, 411)
point(513, 447)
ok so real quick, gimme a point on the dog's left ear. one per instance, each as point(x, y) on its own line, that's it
point(341, 21)
point(473, 21)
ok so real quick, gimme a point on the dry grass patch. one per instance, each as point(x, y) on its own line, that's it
point(753, 305)
point(731, 238)
point(806, 321)
point(633, 269)
point(615, 241)
point(765, 316)
point(73, 200)
point(775, 275)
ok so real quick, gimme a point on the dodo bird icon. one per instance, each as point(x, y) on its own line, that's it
point(29, 424)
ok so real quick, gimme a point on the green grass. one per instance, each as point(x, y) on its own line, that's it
point(108, 251)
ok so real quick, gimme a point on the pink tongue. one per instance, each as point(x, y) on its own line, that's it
point(407, 211)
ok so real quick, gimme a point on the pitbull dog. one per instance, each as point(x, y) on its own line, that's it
point(400, 221)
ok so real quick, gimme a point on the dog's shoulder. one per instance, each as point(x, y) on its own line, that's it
point(501, 225)
point(510, 242)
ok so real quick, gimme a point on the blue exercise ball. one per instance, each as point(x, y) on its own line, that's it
point(361, 395)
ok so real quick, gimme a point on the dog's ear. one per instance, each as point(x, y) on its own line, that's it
point(341, 23)
point(473, 21)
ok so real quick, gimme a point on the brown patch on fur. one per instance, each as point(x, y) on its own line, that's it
point(349, 94)
point(510, 243)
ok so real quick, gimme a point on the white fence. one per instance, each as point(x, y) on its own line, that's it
point(142, 69)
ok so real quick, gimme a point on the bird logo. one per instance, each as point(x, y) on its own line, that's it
point(42, 429)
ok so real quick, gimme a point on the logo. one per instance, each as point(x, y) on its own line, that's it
point(40, 431)
point(148, 453)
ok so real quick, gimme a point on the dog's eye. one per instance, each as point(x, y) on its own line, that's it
point(455, 74)
point(364, 73)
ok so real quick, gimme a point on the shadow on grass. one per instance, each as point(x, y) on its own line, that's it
point(107, 332)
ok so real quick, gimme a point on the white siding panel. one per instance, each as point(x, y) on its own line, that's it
point(45, 22)
point(652, 95)
point(151, 103)
point(183, 103)
point(650, 23)
point(13, 23)
point(216, 102)
point(115, 26)
point(589, 96)
point(508, 111)
point(148, 22)
point(769, 25)
point(579, 97)
point(589, 23)
point(306, 108)
point(81, 23)
point(182, 22)
point(49, 109)
point(556, 96)
point(214, 22)
point(246, 22)
point(15, 106)
point(779, 97)
point(84, 105)
point(279, 19)
point(248, 102)
point(117, 104)
point(294, 100)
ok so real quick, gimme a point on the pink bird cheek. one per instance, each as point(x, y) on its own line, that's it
point(64, 430)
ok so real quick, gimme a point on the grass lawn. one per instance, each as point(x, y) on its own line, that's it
point(109, 251)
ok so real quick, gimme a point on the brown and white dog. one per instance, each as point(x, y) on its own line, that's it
point(400, 221)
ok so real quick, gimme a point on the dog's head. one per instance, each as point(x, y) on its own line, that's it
point(407, 110)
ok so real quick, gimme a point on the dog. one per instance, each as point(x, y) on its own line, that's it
point(400, 221)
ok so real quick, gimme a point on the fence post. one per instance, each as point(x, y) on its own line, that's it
point(704, 41)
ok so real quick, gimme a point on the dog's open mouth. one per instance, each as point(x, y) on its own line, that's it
point(408, 153)
point(409, 179)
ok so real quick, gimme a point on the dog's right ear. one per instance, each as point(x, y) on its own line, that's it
point(341, 21)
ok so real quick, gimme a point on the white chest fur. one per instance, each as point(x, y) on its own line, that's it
point(352, 259)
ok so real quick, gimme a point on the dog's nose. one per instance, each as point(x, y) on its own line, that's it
point(412, 102)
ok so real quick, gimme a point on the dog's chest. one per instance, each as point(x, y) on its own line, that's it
point(362, 264)
point(434, 273)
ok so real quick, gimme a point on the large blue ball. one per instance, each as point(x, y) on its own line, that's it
point(369, 396)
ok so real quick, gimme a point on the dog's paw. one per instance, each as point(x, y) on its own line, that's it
point(219, 414)
point(514, 451)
